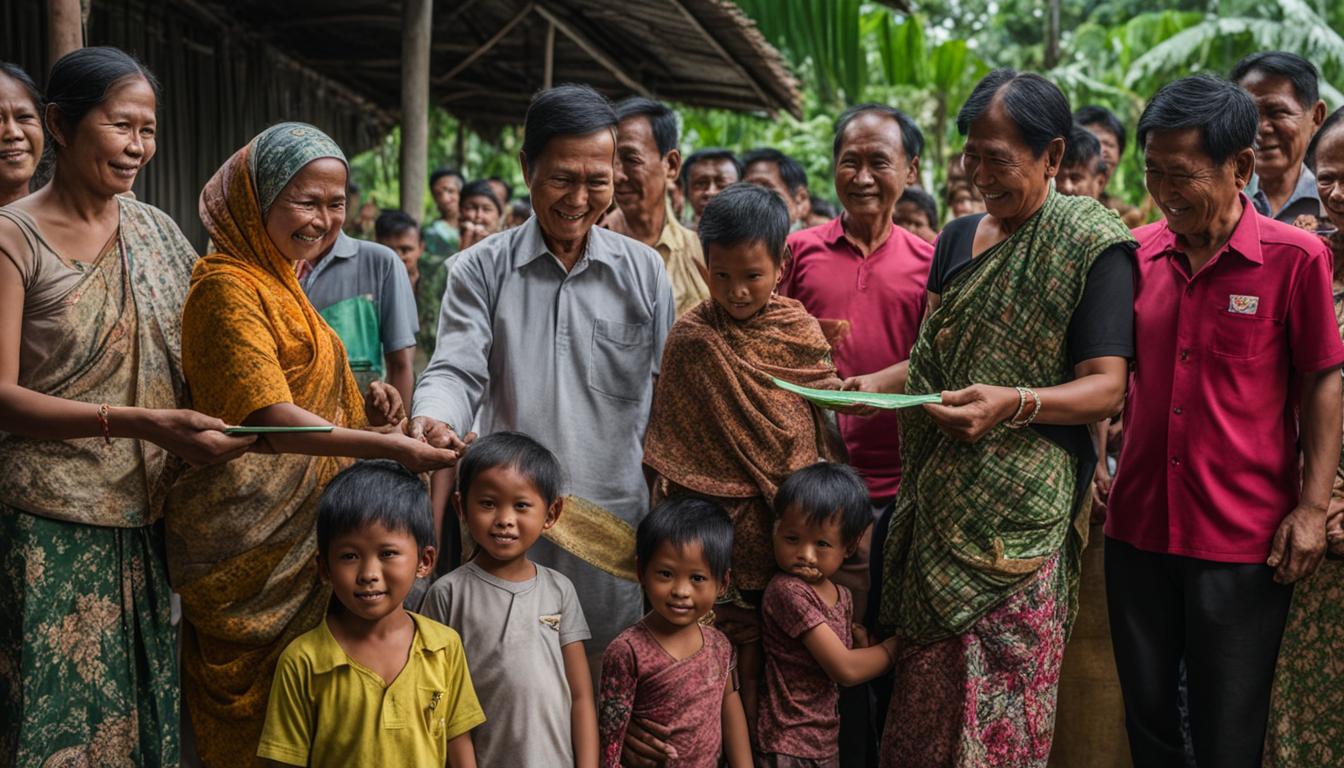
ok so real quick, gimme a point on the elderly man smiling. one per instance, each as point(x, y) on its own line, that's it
point(1286, 90)
point(555, 328)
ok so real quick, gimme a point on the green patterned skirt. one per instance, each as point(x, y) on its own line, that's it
point(1306, 712)
point(88, 668)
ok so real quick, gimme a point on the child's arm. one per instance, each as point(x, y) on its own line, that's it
point(736, 740)
point(844, 665)
point(583, 712)
point(617, 702)
point(461, 752)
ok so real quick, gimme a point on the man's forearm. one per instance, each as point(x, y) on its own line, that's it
point(1321, 415)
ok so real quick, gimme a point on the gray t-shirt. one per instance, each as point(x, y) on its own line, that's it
point(513, 633)
point(362, 268)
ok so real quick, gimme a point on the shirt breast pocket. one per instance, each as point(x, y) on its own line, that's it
point(1242, 337)
point(620, 364)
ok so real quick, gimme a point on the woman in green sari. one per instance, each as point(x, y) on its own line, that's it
point(91, 289)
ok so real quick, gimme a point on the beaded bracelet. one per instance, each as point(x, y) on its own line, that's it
point(1022, 393)
point(1021, 403)
point(102, 422)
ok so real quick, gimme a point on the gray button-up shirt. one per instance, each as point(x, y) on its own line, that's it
point(568, 358)
point(1305, 200)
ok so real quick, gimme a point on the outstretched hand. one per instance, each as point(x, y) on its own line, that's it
point(383, 405)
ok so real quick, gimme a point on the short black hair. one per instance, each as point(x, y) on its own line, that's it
point(565, 110)
point(1093, 114)
point(1225, 115)
point(925, 202)
point(684, 520)
point(912, 139)
point(443, 171)
point(662, 120)
point(521, 207)
point(374, 491)
point(823, 207)
point(17, 74)
point(791, 171)
point(516, 450)
point(351, 187)
point(1035, 105)
point(508, 188)
point(1303, 75)
point(712, 153)
point(1333, 121)
point(1083, 148)
point(481, 188)
point(745, 213)
point(80, 80)
point(392, 223)
point(824, 490)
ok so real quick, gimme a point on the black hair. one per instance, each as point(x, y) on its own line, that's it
point(712, 153)
point(684, 520)
point(745, 213)
point(521, 207)
point(1303, 75)
point(16, 73)
point(443, 171)
point(393, 223)
point(481, 188)
point(925, 202)
point(1225, 115)
point(823, 207)
point(790, 170)
point(662, 120)
point(1097, 115)
point(825, 490)
point(912, 139)
point(374, 491)
point(1333, 121)
point(518, 451)
point(1083, 148)
point(565, 110)
point(80, 80)
point(508, 188)
point(1035, 105)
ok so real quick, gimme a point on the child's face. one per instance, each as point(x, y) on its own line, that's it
point(505, 513)
point(810, 551)
point(741, 277)
point(679, 583)
point(372, 569)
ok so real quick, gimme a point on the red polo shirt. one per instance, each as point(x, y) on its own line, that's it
point(882, 296)
point(1209, 466)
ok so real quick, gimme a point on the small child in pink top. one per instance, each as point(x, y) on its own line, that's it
point(669, 670)
point(807, 621)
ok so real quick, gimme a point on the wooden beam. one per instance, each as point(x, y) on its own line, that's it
point(548, 65)
point(592, 49)
point(766, 101)
point(390, 20)
point(416, 31)
point(487, 45)
point(65, 29)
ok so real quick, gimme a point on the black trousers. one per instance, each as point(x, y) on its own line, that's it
point(1225, 620)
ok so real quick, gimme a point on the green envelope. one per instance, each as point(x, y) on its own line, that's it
point(831, 398)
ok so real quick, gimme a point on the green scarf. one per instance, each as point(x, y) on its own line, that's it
point(974, 521)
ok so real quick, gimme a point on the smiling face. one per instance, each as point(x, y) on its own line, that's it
point(706, 179)
point(808, 550)
point(679, 584)
point(871, 170)
point(741, 277)
point(307, 215)
point(445, 192)
point(1011, 179)
point(481, 210)
point(20, 137)
point(1196, 195)
point(114, 140)
point(571, 184)
point(642, 174)
point(409, 247)
point(1330, 176)
point(371, 569)
point(1286, 127)
point(505, 514)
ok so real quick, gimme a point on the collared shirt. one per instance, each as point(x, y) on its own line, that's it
point(1209, 466)
point(327, 709)
point(1305, 200)
point(882, 297)
point(685, 263)
point(567, 357)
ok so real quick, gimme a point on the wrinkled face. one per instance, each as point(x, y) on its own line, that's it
point(766, 174)
point(1330, 175)
point(307, 215)
point(445, 192)
point(808, 550)
point(110, 145)
point(915, 220)
point(1010, 178)
point(1286, 126)
point(505, 514)
point(1193, 192)
point(372, 569)
point(409, 247)
point(679, 583)
point(571, 184)
point(1110, 145)
point(641, 172)
point(481, 210)
point(1080, 180)
point(21, 137)
point(706, 179)
point(741, 277)
point(871, 170)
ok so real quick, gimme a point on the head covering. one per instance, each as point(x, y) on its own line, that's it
point(281, 151)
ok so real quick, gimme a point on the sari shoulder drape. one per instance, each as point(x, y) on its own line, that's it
point(974, 521)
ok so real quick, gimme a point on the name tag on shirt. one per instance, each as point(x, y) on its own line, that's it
point(1243, 305)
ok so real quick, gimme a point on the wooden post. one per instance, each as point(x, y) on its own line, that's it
point(65, 28)
point(548, 71)
point(416, 31)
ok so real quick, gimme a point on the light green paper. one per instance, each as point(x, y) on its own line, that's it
point(831, 398)
point(272, 430)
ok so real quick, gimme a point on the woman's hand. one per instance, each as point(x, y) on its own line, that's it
point(1101, 491)
point(472, 233)
point(193, 437)
point(645, 744)
point(868, 382)
point(967, 414)
point(420, 456)
point(1334, 526)
point(382, 405)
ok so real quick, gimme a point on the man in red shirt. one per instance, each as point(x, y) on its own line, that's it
point(1231, 436)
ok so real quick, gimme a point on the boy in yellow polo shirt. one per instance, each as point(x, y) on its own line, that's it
point(373, 684)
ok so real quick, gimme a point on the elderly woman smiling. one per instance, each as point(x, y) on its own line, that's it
point(21, 138)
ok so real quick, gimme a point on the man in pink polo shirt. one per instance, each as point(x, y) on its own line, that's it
point(1232, 431)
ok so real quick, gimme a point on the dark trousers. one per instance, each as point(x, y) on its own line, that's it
point(1225, 620)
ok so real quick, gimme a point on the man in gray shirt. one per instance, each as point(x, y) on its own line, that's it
point(555, 329)
point(1286, 89)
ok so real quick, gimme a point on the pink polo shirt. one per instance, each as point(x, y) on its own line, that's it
point(1209, 466)
point(882, 296)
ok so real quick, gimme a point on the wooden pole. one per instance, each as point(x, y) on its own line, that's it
point(548, 72)
point(65, 28)
point(416, 29)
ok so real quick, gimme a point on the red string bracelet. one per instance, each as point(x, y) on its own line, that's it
point(102, 421)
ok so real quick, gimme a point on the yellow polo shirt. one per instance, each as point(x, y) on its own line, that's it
point(328, 710)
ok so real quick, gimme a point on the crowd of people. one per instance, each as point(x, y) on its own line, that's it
point(246, 516)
